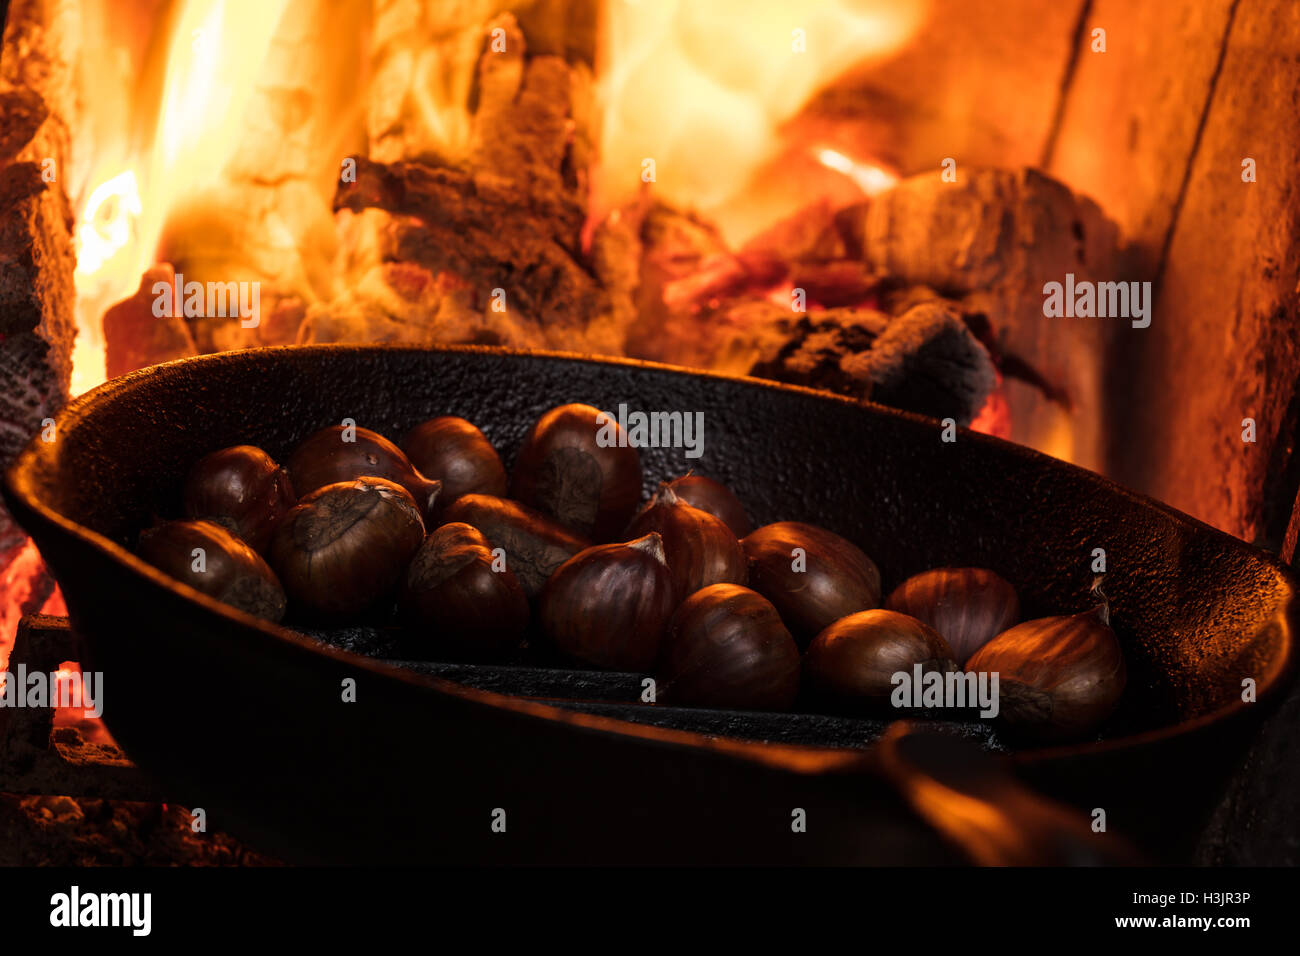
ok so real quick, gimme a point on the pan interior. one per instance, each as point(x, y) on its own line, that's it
point(1196, 611)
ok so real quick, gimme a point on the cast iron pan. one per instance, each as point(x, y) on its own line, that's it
point(247, 718)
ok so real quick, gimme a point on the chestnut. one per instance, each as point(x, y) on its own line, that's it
point(609, 605)
point(344, 453)
point(453, 451)
point(1059, 678)
point(728, 647)
point(701, 549)
point(968, 606)
point(851, 664)
point(242, 489)
point(812, 576)
point(577, 468)
point(342, 550)
point(462, 600)
point(715, 498)
point(210, 559)
point(534, 544)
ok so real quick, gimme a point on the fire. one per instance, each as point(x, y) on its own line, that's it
point(694, 95)
point(209, 79)
point(695, 99)
point(868, 177)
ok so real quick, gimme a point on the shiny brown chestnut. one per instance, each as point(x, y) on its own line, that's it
point(343, 549)
point(242, 489)
point(715, 498)
point(534, 544)
point(728, 647)
point(577, 468)
point(811, 575)
point(967, 606)
point(210, 559)
point(461, 597)
point(701, 549)
point(347, 452)
point(454, 451)
point(850, 666)
point(610, 604)
point(1059, 678)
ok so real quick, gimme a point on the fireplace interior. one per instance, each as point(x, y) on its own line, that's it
point(870, 197)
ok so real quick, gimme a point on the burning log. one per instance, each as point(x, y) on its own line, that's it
point(993, 239)
point(499, 205)
point(135, 336)
point(37, 323)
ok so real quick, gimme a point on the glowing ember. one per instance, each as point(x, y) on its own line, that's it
point(18, 581)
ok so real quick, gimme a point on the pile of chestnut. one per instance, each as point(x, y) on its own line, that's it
point(723, 614)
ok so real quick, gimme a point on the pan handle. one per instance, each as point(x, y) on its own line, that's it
point(975, 803)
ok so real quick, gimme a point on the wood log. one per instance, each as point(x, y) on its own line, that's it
point(134, 337)
point(925, 360)
point(993, 239)
point(37, 321)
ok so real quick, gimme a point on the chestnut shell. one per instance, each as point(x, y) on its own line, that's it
point(456, 600)
point(343, 549)
point(715, 498)
point(838, 580)
point(233, 571)
point(728, 647)
point(967, 606)
point(324, 458)
point(534, 544)
point(242, 489)
point(850, 665)
point(700, 548)
point(453, 450)
point(610, 604)
point(565, 473)
point(1059, 678)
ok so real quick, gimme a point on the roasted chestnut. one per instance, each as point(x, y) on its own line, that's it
point(343, 549)
point(727, 647)
point(851, 664)
point(461, 598)
point(210, 559)
point(346, 452)
point(812, 576)
point(715, 498)
point(1059, 678)
point(576, 467)
point(967, 606)
point(609, 605)
point(534, 544)
point(241, 489)
point(701, 549)
point(453, 451)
